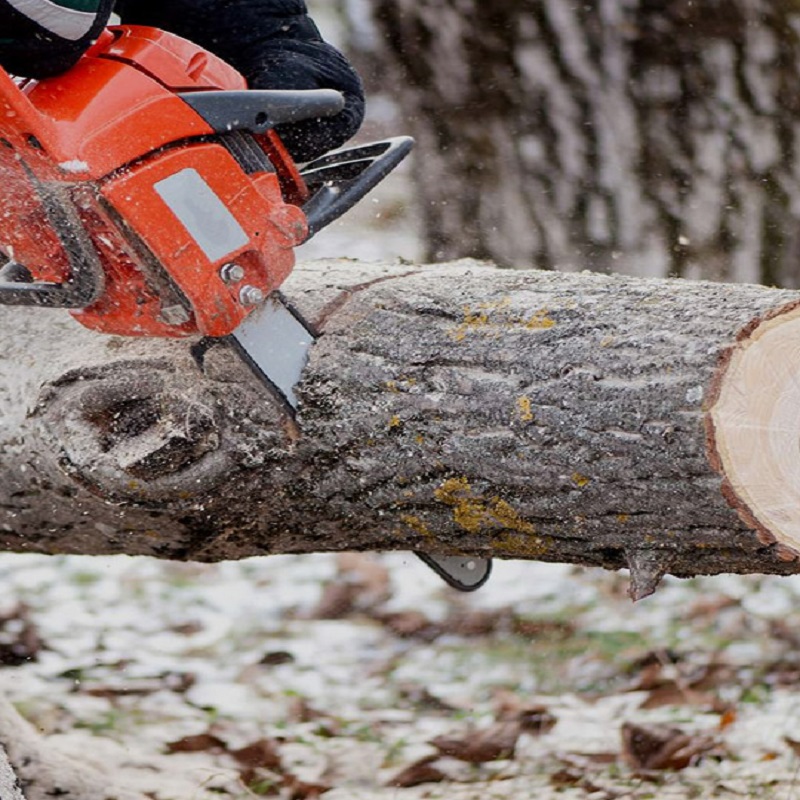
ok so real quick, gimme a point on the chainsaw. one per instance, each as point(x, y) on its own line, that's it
point(147, 191)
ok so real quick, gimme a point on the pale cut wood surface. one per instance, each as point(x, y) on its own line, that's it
point(755, 425)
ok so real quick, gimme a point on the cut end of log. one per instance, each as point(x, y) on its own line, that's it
point(647, 568)
point(754, 429)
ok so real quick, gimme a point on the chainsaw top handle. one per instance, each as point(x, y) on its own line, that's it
point(258, 110)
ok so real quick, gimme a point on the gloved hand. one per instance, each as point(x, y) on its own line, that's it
point(298, 64)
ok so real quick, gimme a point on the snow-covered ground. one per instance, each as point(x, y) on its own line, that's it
point(134, 656)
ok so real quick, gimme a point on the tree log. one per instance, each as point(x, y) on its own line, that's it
point(593, 419)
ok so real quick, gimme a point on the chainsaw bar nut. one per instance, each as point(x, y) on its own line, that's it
point(251, 296)
point(231, 272)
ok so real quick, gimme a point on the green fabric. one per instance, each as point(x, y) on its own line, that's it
point(79, 5)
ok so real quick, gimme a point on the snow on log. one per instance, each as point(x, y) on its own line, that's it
point(585, 418)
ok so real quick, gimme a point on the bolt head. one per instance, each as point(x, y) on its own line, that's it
point(251, 296)
point(231, 272)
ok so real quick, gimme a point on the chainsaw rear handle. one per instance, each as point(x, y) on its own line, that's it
point(338, 180)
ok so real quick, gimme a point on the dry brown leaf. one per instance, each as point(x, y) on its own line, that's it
point(422, 699)
point(572, 776)
point(303, 790)
point(261, 753)
point(727, 718)
point(534, 718)
point(473, 622)
point(362, 585)
point(673, 694)
point(276, 657)
point(178, 682)
point(196, 744)
point(422, 771)
point(659, 747)
point(337, 601)
point(531, 628)
point(19, 637)
point(187, 628)
point(498, 741)
point(256, 757)
point(369, 573)
point(794, 745)
point(585, 760)
point(300, 710)
point(411, 624)
point(711, 606)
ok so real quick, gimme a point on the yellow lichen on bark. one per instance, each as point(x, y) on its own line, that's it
point(474, 513)
point(524, 408)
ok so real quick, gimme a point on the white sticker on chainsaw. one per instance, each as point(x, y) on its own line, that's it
point(202, 213)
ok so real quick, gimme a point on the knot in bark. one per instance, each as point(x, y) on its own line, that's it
point(135, 434)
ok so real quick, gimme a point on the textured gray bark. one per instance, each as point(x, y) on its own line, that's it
point(462, 408)
point(9, 786)
point(633, 136)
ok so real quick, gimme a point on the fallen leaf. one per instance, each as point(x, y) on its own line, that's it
point(422, 699)
point(196, 744)
point(727, 718)
point(422, 771)
point(337, 601)
point(276, 658)
point(178, 682)
point(189, 628)
point(303, 790)
point(660, 747)
point(534, 718)
point(557, 629)
point(363, 583)
point(498, 741)
point(261, 754)
point(20, 642)
point(411, 624)
point(300, 710)
point(673, 694)
point(473, 622)
point(572, 776)
point(794, 745)
point(710, 606)
point(368, 572)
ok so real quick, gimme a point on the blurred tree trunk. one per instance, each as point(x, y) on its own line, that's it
point(629, 135)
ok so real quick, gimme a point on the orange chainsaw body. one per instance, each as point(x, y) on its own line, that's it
point(107, 167)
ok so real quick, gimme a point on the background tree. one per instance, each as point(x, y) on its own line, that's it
point(631, 136)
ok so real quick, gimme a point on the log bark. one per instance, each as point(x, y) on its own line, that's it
point(580, 418)
point(631, 136)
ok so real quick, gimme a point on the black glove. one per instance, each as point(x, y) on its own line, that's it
point(293, 64)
